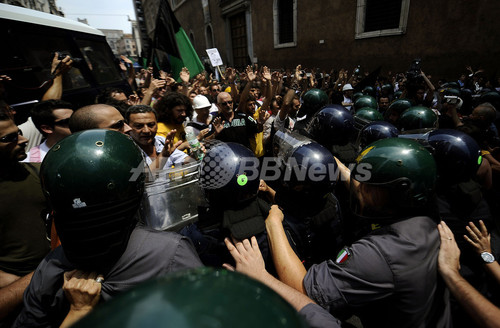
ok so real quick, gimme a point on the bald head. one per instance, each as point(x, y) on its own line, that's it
point(223, 96)
point(98, 116)
point(485, 112)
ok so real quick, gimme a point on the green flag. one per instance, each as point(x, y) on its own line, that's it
point(171, 38)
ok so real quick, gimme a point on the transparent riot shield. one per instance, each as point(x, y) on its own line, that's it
point(171, 201)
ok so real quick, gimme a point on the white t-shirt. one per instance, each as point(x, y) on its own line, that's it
point(31, 133)
point(176, 158)
point(37, 154)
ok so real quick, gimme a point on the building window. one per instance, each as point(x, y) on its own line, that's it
point(376, 18)
point(285, 23)
point(209, 37)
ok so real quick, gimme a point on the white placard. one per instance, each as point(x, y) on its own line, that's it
point(214, 56)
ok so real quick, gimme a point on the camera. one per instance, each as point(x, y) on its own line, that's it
point(451, 99)
point(413, 74)
point(62, 54)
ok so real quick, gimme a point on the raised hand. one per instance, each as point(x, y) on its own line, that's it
point(247, 256)
point(449, 253)
point(250, 73)
point(133, 99)
point(184, 75)
point(276, 77)
point(170, 147)
point(218, 125)
point(263, 117)
point(298, 73)
point(60, 67)
point(266, 73)
point(156, 84)
point(126, 60)
point(230, 74)
point(479, 239)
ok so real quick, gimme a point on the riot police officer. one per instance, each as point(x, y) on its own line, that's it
point(229, 178)
point(305, 194)
point(94, 182)
point(389, 277)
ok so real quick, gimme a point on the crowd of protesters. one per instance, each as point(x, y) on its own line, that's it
point(369, 254)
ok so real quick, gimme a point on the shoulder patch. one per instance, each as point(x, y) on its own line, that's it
point(251, 119)
point(343, 256)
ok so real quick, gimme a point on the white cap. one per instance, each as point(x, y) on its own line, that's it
point(200, 101)
point(347, 87)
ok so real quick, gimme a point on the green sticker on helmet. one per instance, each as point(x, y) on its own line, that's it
point(242, 180)
point(479, 160)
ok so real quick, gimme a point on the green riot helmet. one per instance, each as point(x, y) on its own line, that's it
point(368, 90)
point(94, 181)
point(365, 101)
point(398, 94)
point(387, 89)
point(396, 108)
point(451, 85)
point(416, 118)
point(491, 97)
point(198, 298)
point(365, 115)
point(356, 95)
point(400, 105)
point(451, 92)
point(393, 178)
point(448, 92)
point(313, 101)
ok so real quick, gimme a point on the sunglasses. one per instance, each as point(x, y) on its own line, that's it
point(226, 103)
point(215, 90)
point(11, 137)
point(64, 122)
point(118, 125)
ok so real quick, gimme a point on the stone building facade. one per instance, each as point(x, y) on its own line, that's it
point(446, 35)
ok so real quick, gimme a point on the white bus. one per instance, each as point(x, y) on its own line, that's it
point(29, 40)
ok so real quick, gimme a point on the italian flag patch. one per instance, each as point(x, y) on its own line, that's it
point(343, 256)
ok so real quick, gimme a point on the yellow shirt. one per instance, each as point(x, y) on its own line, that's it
point(164, 129)
point(256, 142)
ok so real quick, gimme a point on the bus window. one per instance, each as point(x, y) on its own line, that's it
point(100, 61)
point(33, 52)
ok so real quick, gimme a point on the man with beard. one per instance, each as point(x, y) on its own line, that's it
point(22, 229)
point(173, 109)
point(142, 120)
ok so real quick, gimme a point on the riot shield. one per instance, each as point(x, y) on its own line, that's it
point(171, 201)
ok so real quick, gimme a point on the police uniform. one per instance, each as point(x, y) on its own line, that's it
point(389, 278)
point(314, 231)
point(208, 233)
point(316, 316)
point(149, 254)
